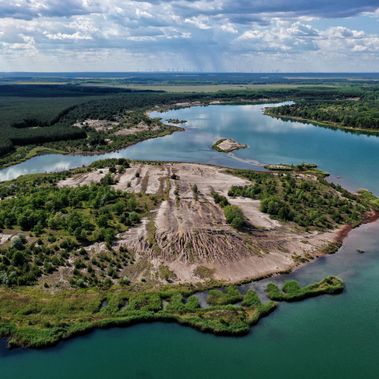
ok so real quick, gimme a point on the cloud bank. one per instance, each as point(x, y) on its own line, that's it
point(214, 35)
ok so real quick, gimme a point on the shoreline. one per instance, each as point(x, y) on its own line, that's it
point(159, 108)
point(324, 124)
point(49, 151)
point(165, 318)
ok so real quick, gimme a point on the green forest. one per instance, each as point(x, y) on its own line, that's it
point(360, 111)
point(59, 221)
point(309, 202)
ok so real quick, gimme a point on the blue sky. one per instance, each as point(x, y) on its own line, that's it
point(182, 35)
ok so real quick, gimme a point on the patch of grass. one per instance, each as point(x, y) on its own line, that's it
point(166, 274)
point(145, 302)
point(251, 299)
point(203, 272)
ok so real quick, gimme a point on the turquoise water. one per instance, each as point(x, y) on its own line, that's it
point(326, 337)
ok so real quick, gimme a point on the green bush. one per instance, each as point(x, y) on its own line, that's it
point(251, 299)
point(222, 201)
point(145, 302)
point(230, 295)
point(234, 217)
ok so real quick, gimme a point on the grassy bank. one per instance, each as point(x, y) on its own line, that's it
point(33, 317)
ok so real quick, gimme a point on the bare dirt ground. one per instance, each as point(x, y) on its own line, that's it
point(98, 125)
point(5, 238)
point(141, 127)
point(84, 179)
point(188, 232)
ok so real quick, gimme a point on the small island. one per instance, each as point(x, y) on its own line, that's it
point(227, 145)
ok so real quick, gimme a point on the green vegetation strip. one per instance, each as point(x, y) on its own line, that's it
point(35, 318)
point(360, 112)
point(292, 291)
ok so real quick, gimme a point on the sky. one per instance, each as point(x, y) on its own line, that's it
point(183, 35)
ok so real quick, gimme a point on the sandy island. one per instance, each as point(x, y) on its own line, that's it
point(227, 145)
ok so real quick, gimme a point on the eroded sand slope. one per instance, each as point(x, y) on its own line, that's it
point(188, 233)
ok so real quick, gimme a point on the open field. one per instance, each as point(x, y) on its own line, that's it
point(206, 88)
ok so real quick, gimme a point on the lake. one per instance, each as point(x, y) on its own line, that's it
point(326, 337)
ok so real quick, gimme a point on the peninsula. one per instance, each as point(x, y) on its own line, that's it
point(121, 242)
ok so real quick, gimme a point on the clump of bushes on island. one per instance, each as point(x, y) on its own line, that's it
point(230, 295)
point(292, 291)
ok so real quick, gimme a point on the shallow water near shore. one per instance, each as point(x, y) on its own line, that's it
point(325, 337)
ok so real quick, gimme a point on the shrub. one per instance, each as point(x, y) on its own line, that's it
point(230, 295)
point(234, 217)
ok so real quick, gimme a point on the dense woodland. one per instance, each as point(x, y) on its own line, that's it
point(360, 111)
point(40, 114)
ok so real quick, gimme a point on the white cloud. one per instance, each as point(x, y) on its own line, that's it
point(340, 39)
point(65, 36)
point(200, 22)
point(196, 35)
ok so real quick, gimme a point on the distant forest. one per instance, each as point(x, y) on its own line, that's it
point(360, 111)
point(35, 114)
